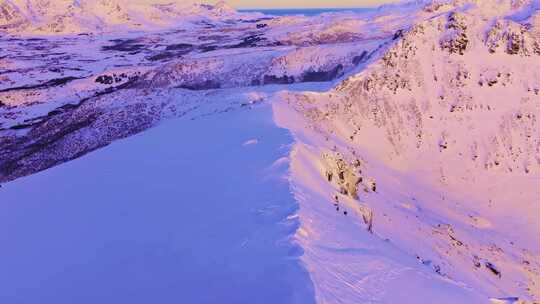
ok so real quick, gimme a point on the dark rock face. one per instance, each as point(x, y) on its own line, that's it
point(105, 79)
point(536, 47)
point(208, 48)
point(513, 38)
point(179, 46)
point(360, 58)
point(129, 45)
point(398, 34)
point(114, 78)
point(432, 7)
point(319, 76)
point(64, 135)
point(515, 44)
point(164, 56)
point(48, 84)
point(10, 16)
point(272, 79)
point(206, 85)
point(249, 41)
point(458, 41)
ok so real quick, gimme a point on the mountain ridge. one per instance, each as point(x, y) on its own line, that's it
point(79, 16)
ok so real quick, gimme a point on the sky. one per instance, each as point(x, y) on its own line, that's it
point(303, 3)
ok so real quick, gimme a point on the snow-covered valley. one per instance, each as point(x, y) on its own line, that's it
point(169, 152)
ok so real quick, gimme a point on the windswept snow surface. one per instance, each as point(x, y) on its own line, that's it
point(183, 213)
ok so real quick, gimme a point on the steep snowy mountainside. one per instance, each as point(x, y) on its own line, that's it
point(442, 133)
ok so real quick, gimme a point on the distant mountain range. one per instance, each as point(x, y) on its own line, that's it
point(77, 16)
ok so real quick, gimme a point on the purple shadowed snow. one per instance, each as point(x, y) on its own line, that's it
point(183, 213)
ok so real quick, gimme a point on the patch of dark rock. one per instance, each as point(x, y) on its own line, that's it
point(129, 45)
point(476, 262)
point(56, 138)
point(208, 48)
point(206, 85)
point(179, 46)
point(398, 34)
point(68, 107)
point(255, 20)
point(249, 41)
point(459, 42)
point(163, 56)
point(212, 37)
point(262, 25)
point(272, 79)
point(320, 76)
point(492, 82)
point(206, 24)
point(493, 269)
point(360, 58)
point(105, 79)
point(514, 45)
point(456, 241)
point(433, 7)
point(40, 144)
point(114, 78)
point(21, 126)
point(276, 43)
point(48, 84)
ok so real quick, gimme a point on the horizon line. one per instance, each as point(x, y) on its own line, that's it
point(304, 8)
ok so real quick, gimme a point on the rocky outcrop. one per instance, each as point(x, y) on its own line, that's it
point(10, 16)
point(455, 39)
point(512, 38)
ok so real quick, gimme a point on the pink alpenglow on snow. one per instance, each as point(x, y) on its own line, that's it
point(180, 151)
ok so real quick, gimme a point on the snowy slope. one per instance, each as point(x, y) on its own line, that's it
point(166, 228)
point(438, 137)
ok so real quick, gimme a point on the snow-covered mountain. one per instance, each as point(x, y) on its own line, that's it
point(417, 145)
point(78, 16)
point(444, 122)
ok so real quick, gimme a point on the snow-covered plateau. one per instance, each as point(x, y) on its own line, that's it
point(178, 152)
